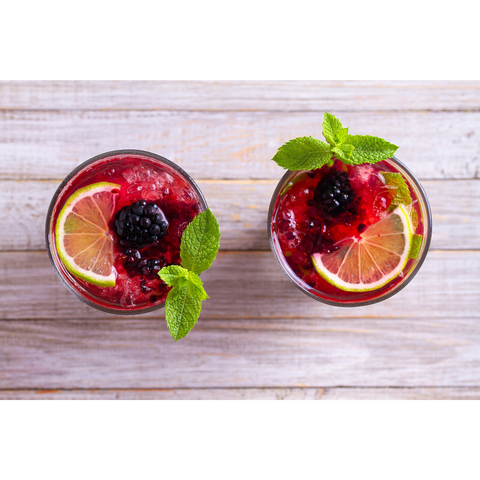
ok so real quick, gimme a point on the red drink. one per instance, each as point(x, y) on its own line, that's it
point(306, 218)
point(146, 183)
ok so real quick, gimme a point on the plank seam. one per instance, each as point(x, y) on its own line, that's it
point(167, 389)
point(246, 110)
point(211, 318)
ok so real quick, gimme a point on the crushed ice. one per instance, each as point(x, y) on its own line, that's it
point(152, 185)
point(136, 174)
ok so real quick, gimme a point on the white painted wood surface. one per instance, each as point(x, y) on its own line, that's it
point(258, 336)
point(290, 393)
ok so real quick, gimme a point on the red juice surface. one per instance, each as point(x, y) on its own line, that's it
point(139, 178)
point(301, 226)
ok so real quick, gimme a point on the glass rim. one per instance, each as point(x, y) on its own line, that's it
point(387, 294)
point(112, 310)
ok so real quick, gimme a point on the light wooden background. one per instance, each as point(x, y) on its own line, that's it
point(258, 337)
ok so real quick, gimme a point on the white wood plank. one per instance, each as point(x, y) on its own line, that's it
point(241, 207)
point(226, 145)
point(426, 393)
point(456, 213)
point(242, 95)
point(167, 394)
point(139, 353)
point(342, 393)
point(225, 133)
point(251, 285)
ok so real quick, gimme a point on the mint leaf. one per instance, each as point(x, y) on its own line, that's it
point(196, 287)
point(303, 153)
point(200, 242)
point(333, 130)
point(369, 149)
point(402, 194)
point(183, 304)
point(343, 152)
point(181, 311)
point(416, 244)
point(174, 275)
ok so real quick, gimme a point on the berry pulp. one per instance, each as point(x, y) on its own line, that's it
point(170, 199)
point(316, 209)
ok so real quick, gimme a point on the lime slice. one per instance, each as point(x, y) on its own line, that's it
point(82, 236)
point(371, 261)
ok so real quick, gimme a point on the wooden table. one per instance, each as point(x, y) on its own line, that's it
point(258, 337)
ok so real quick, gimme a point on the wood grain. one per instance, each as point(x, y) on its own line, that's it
point(140, 353)
point(241, 207)
point(342, 393)
point(242, 95)
point(226, 145)
point(245, 285)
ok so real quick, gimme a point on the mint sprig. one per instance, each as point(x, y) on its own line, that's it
point(308, 153)
point(198, 249)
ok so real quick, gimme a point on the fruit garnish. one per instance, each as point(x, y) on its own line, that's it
point(370, 261)
point(147, 266)
point(140, 224)
point(82, 235)
point(198, 249)
point(334, 192)
point(416, 246)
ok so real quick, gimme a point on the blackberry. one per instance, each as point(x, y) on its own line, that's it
point(140, 224)
point(133, 257)
point(147, 267)
point(150, 267)
point(334, 193)
point(143, 286)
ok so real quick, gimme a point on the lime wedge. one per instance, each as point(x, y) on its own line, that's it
point(371, 261)
point(82, 235)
